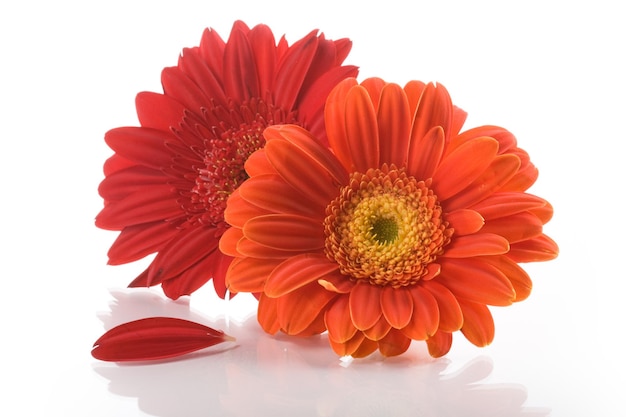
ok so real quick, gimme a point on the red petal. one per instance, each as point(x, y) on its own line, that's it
point(155, 338)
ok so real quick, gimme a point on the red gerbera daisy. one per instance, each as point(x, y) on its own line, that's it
point(166, 186)
point(404, 230)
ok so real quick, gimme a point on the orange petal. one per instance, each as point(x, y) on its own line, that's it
point(335, 117)
point(310, 178)
point(458, 169)
point(365, 305)
point(298, 271)
point(239, 211)
point(434, 109)
point(310, 146)
point(298, 309)
point(425, 153)
point(425, 319)
point(374, 87)
point(249, 274)
point(348, 347)
point(272, 194)
point(477, 281)
point(464, 221)
point(520, 280)
point(478, 325)
point(439, 344)
point(379, 330)
point(413, 90)
point(257, 164)
point(515, 228)
point(286, 232)
point(501, 170)
point(338, 321)
point(503, 204)
point(267, 314)
point(247, 248)
point(538, 249)
point(228, 241)
point(450, 314)
point(362, 129)
point(478, 244)
point(397, 306)
point(394, 122)
point(366, 348)
point(394, 344)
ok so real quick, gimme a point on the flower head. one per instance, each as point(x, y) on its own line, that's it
point(405, 229)
point(167, 184)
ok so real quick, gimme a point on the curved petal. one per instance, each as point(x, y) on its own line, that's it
point(450, 314)
point(229, 240)
point(439, 344)
point(519, 278)
point(478, 244)
point(425, 153)
point(434, 109)
point(425, 319)
point(508, 203)
point(365, 305)
point(286, 232)
point(298, 309)
point(301, 172)
point(338, 321)
point(537, 249)
point(269, 192)
point(476, 281)
point(155, 338)
point(394, 122)
point(397, 306)
point(362, 129)
point(498, 173)
point(515, 228)
point(296, 272)
point(267, 314)
point(249, 274)
point(335, 117)
point(239, 211)
point(463, 166)
point(478, 325)
point(394, 343)
point(337, 282)
point(379, 330)
point(465, 221)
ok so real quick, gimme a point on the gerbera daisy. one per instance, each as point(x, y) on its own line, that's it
point(166, 186)
point(405, 229)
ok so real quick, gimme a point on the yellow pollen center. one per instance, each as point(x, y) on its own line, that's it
point(385, 227)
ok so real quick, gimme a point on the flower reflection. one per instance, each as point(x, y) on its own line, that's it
point(266, 375)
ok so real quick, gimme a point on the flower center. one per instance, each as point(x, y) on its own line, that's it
point(228, 137)
point(385, 227)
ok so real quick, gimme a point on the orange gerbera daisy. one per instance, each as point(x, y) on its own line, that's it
point(406, 229)
point(167, 184)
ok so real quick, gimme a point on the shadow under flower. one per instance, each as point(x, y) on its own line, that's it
point(285, 376)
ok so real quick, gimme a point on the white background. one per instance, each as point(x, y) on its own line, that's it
point(552, 72)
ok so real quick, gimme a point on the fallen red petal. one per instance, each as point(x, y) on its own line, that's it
point(155, 338)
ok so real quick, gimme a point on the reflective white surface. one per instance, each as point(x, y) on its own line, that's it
point(552, 72)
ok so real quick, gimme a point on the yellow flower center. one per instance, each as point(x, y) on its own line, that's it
point(385, 227)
